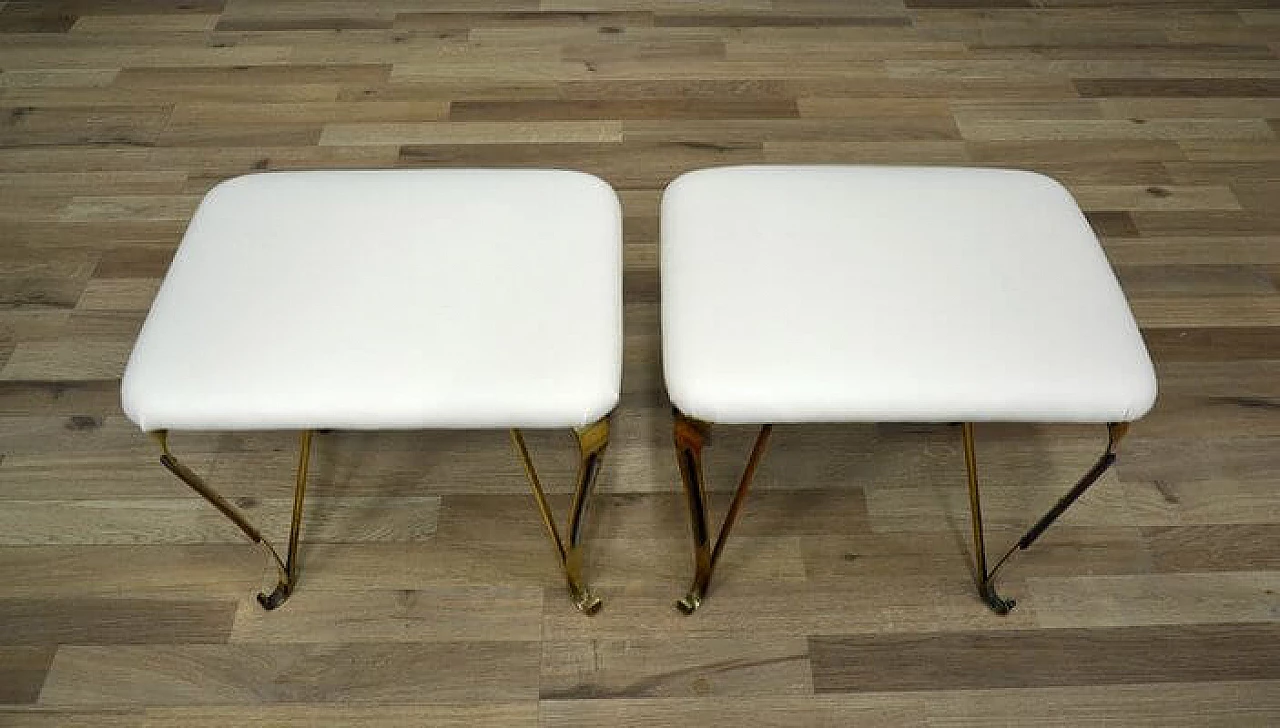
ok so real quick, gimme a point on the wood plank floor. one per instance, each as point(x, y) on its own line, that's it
point(428, 595)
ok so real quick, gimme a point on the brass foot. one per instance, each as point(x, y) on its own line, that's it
point(276, 597)
point(690, 603)
point(586, 602)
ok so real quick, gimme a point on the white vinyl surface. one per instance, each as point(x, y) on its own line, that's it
point(388, 299)
point(864, 293)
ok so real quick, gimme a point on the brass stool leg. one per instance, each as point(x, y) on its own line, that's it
point(690, 437)
point(287, 569)
point(592, 441)
point(986, 579)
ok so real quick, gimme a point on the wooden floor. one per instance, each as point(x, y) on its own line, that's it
point(428, 595)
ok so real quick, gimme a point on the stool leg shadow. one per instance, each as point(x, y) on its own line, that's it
point(287, 568)
point(986, 578)
point(691, 436)
point(592, 441)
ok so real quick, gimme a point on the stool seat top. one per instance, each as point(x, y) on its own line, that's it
point(387, 299)
point(867, 293)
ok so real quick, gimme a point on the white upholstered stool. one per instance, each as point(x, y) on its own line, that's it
point(851, 293)
point(400, 299)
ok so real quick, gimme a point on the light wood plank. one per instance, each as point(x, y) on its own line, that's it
point(160, 23)
point(57, 78)
point(118, 294)
point(67, 360)
point(1163, 599)
point(251, 675)
point(1168, 312)
point(439, 614)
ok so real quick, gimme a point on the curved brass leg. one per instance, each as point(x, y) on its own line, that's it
point(690, 437)
point(592, 441)
point(289, 577)
point(287, 569)
point(986, 579)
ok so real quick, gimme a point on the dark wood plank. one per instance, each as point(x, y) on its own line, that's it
point(307, 22)
point(778, 20)
point(35, 17)
point(113, 621)
point(1214, 343)
point(1195, 280)
point(39, 292)
point(134, 261)
point(965, 4)
point(22, 672)
point(1108, 224)
point(288, 74)
point(1058, 657)
point(428, 20)
point(1182, 87)
point(647, 109)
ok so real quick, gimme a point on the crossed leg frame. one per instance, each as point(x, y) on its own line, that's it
point(986, 578)
point(592, 441)
point(691, 435)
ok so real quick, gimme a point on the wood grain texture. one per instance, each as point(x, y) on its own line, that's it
point(114, 621)
point(252, 674)
point(428, 594)
point(1057, 657)
point(442, 614)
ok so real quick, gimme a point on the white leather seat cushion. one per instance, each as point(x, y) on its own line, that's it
point(388, 299)
point(843, 293)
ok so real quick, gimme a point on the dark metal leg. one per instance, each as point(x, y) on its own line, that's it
point(986, 587)
point(690, 437)
point(986, 579)
point(287, 569)
point(592, 441)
